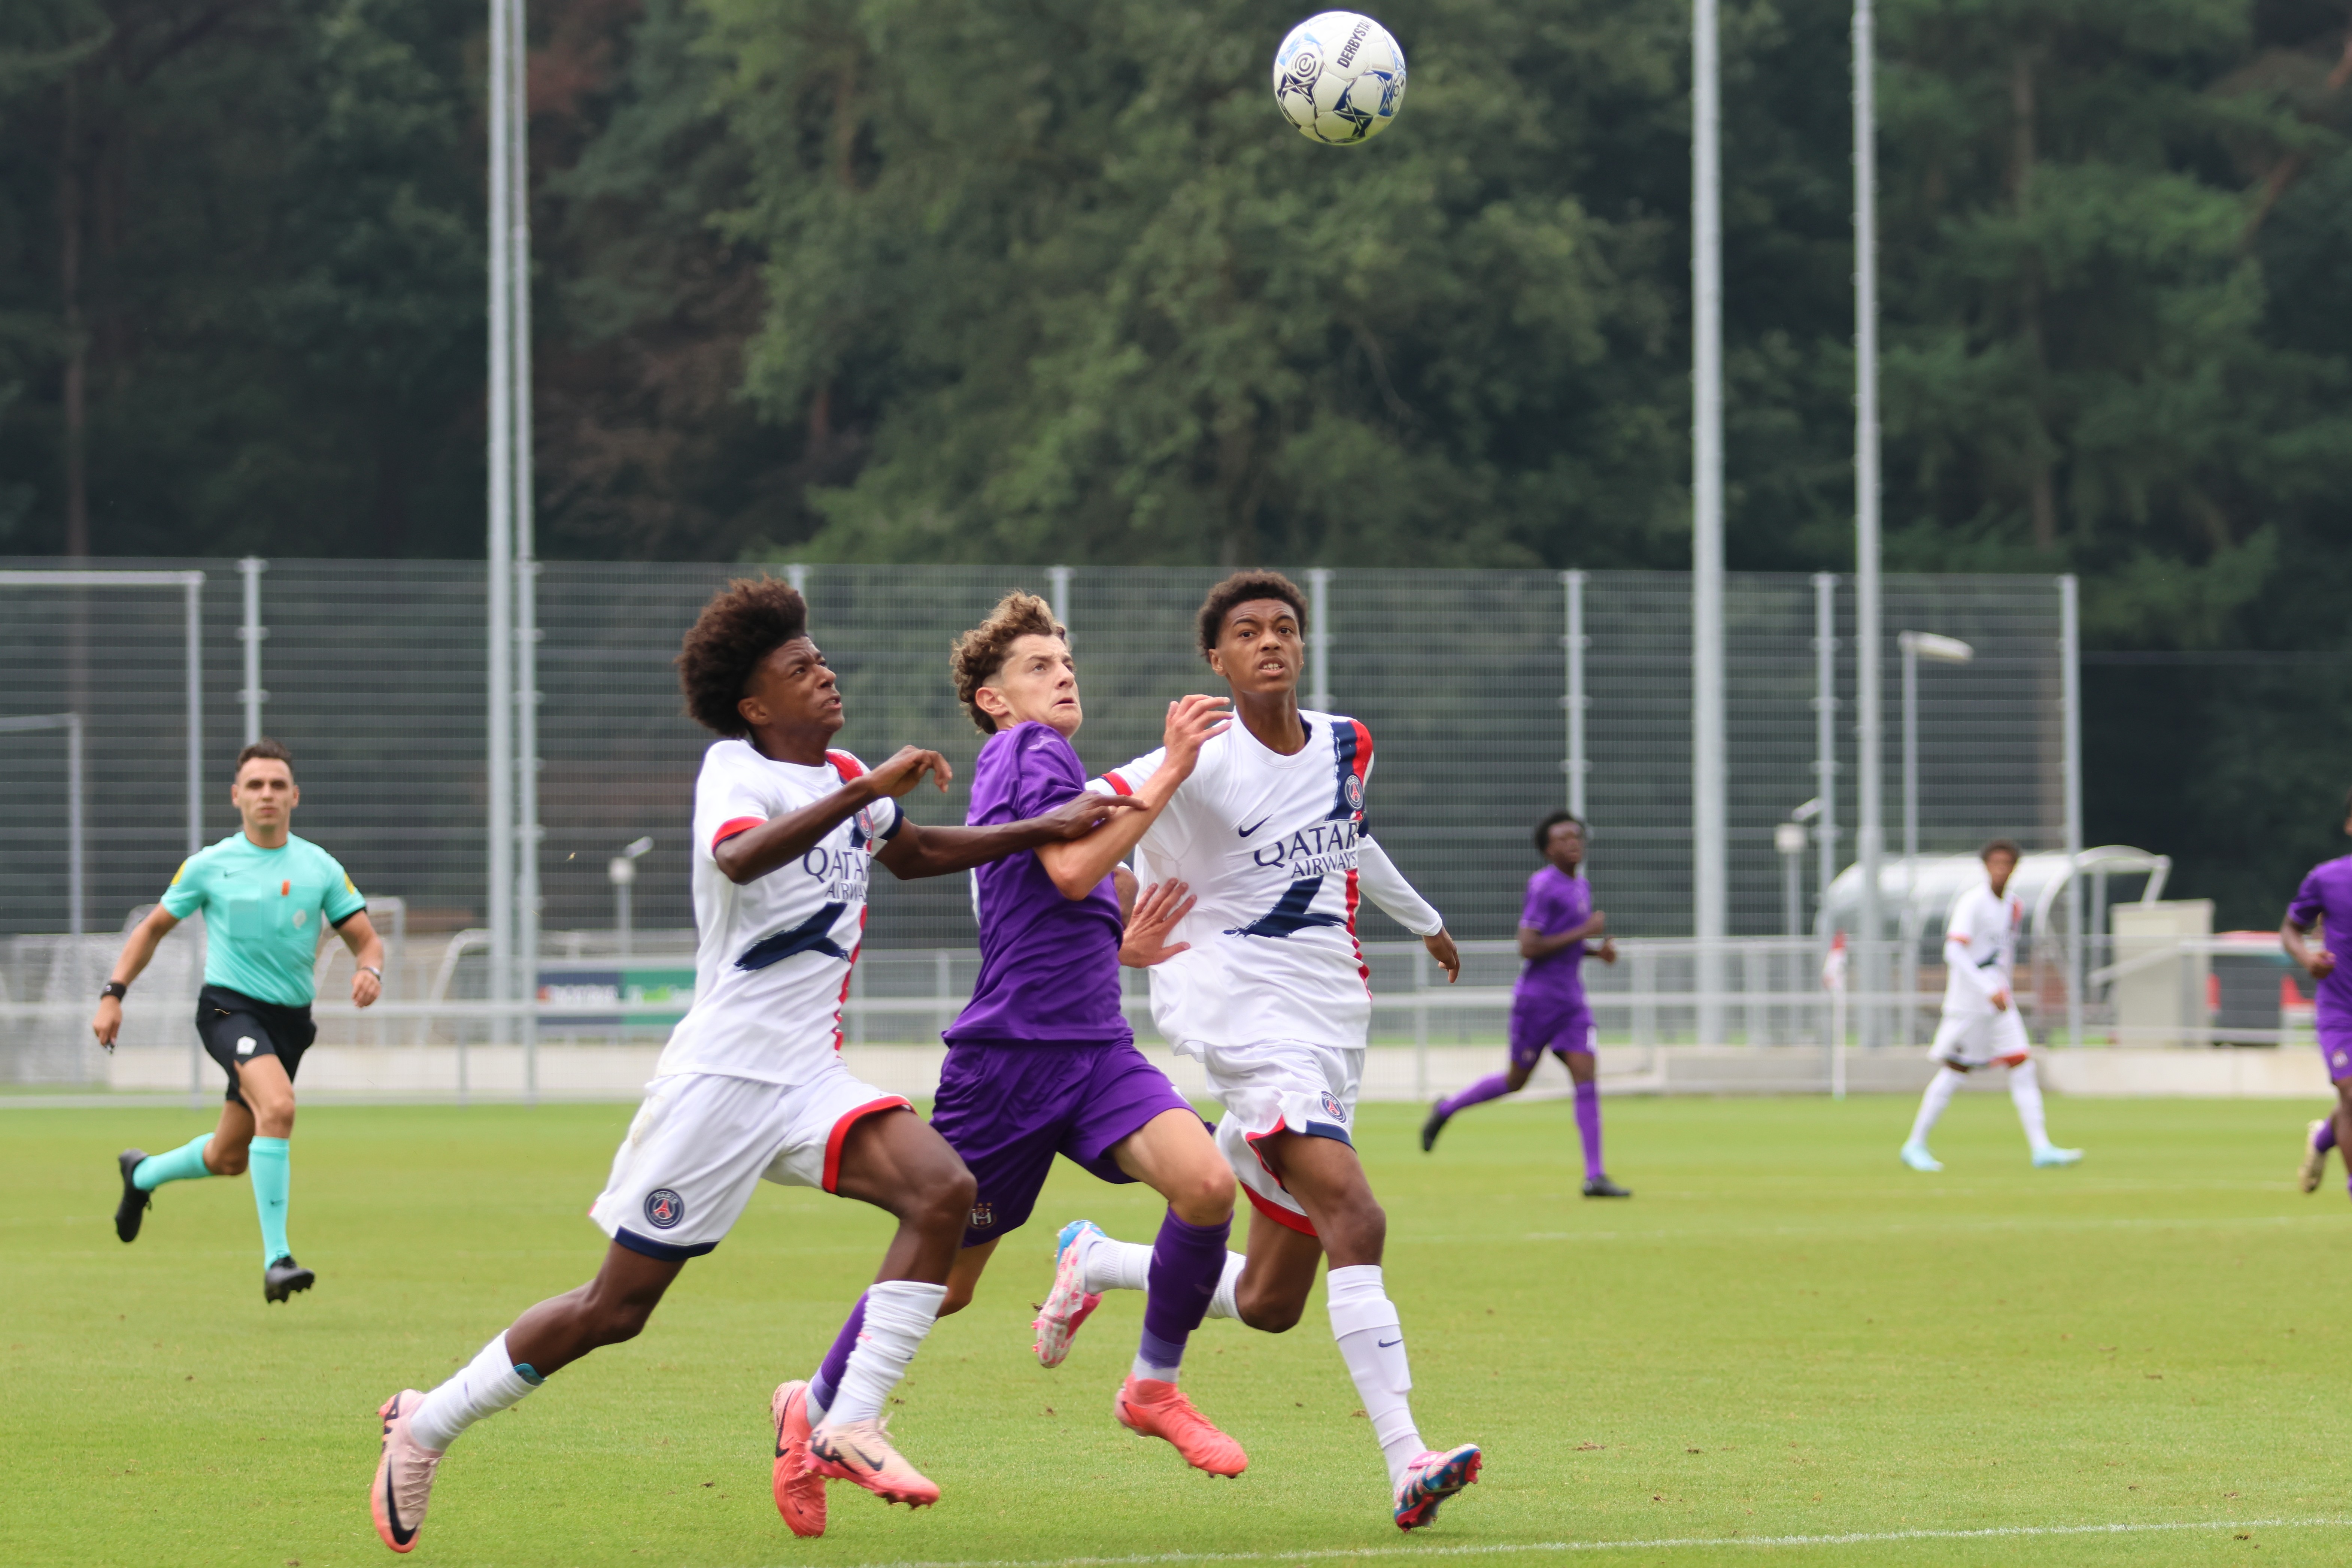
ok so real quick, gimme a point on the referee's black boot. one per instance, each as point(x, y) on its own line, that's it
point(132, 1209)
point(1602, 1187)
point(284, 1277)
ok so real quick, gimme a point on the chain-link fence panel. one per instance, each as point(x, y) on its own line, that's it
point(375, 675)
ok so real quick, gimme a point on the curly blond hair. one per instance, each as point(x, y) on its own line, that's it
point(978, 655)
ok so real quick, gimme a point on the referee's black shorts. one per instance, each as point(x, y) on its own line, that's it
point(236, 1028)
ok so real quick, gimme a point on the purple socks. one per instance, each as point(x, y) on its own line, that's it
point(2326, 1138)
point(826, 1384)
point(1187, 1260)
point(1494, 1086)
point(1587, 1128)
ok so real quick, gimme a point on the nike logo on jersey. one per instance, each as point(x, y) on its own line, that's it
point(1253, 826)
point(814, 934)
point(1293, 914)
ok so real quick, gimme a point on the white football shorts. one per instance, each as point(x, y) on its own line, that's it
point(1283, 1087)
point(1980, 1040)
point(700, 1142)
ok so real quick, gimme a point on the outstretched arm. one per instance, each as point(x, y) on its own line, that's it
point(137, 953)
point(753, 853)
point(937, 851)
point(1077, 869)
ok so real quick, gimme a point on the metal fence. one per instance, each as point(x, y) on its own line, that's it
point(373, 673)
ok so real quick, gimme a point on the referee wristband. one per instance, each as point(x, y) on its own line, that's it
point(372, 969)
point(115, 988)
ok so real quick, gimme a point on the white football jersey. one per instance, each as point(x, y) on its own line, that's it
point(772, 956)
point(1268, 845)
point(1988, 924)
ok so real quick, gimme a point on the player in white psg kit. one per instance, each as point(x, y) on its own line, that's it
point(1265, 830)
point(752, 1085)
point(1980, 1026)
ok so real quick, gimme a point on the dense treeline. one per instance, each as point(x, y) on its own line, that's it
point(885, 281)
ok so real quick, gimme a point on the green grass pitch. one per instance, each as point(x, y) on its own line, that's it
point(1784, 1335)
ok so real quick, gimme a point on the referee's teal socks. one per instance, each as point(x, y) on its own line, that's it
point(184, 1164)
point(272, 1174)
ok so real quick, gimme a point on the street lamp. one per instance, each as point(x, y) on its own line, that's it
point(1915, 646)
point(622, 872)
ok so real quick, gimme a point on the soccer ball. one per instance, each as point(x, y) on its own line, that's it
point(1339, 78)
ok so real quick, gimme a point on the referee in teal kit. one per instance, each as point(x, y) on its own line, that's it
point(267, 897)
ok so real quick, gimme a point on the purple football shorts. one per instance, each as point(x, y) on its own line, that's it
point(2335, 1048)
point(1009, 1107)
point(1537, 1027)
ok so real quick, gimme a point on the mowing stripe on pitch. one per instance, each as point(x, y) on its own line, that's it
point(1860, 1538)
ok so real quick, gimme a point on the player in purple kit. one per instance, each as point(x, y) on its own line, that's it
point(2325, 900)
point(1042, 1061)
point(752, 1085)
point(1549, 1012)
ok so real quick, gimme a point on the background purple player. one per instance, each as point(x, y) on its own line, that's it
point(2325, 900)
point(1548, 1007)
point(1042, 1061)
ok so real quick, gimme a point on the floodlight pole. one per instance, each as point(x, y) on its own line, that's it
point(1710, 880)
point(499, 552)
point(1872, 835)
point(526, 565)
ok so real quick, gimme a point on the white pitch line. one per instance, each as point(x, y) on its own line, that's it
point(1994, 1532)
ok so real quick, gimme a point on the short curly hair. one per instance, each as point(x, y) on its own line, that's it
point(1240, 589)
point(978, 655)
point(1543, 829)
point(745, 622)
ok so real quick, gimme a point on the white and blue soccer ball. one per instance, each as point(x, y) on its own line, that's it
point(1338, 78)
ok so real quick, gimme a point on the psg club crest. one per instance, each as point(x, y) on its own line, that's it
point(663, 1208)
point(1332, 1107)
point(983, 1215)
point(1354, 789)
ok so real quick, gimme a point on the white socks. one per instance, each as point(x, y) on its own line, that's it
point(1221, 1304)
point(483, 1386)
point(1940, 1090)
point(1123, 1265)
point(1365, 1323)
point(1111, 1265)
point(2025, 1093)
point(899, 1313)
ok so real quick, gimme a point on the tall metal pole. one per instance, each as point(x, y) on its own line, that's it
point(1872, 837)
point(499, 553)
point(1711, 876)
point(1057, 584)
point(1572, 582)
point(526, 564)
point(251, 634)
point(193, 586)
point(1318, 638)
point(2070, 655)
point(1825, 769)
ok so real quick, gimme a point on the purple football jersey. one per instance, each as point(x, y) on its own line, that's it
point(2326, 895)
point(1556, 902)
point(1048, 965)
